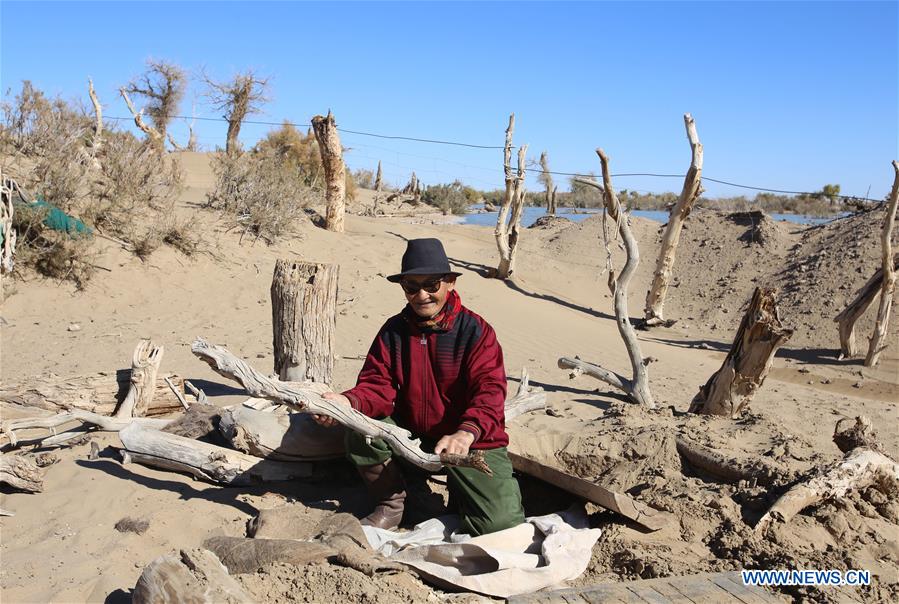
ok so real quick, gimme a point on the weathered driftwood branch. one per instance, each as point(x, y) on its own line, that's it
point(196, 576)
point(636, 388)
point(528, 398)
point(851, 314)
point(307, 401)
point(103, 423)
point(655, 298)
point(22, 473)
point(325, 129)
point(7, 232)
point(144, 366)
point(218, 464)
point(304, 310)
point(888, 284)
point(731, 388)
point(153, 135)
point(97, 393)
point(862, 466)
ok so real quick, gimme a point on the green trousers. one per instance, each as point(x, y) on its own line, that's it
point(486, 504)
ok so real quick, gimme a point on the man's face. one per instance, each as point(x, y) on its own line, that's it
point(425, 303)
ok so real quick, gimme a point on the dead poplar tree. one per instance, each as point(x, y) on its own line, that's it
point(162, 85)
point(655, 298)
point(239, 97)
point(546, 178)
point(731, 388)
point(851, 314)
point(379, 178)
point(97, 139)
point(507, 228)
point(155, 139)
point(304, 310)
point(637, 388)
point(888, 284)
point(325, 129)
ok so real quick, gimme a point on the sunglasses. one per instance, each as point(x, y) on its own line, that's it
point(412, 288)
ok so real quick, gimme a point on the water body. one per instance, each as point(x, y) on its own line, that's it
point(530, 214)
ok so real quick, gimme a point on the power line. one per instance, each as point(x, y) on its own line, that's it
point(474, 146)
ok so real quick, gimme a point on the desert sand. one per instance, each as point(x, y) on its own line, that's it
point(62, 546)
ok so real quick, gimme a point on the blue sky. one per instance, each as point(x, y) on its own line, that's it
point(787, 95)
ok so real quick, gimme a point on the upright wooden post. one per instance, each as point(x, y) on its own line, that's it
point(888, 285)
point(304, 310)
point(335, 172)
point(655, 298)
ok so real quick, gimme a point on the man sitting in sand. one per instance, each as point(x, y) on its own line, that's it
point(435, 369)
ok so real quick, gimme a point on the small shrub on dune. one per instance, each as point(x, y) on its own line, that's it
point(266, 195)
point(450, 199)
point(51, 253)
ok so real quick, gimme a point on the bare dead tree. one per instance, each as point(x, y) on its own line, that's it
point(162, 85)
point(155, 139)
point(97, 139)
point(378, 178)
point(637, 388)
point(329, 147)
point(888, 285)
point(507, 229)
point(655, 298)
point(239, 97)
point(855, 309)
point(546, 178)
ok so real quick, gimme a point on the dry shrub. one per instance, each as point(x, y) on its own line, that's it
point(122, 188)
point(267, 195)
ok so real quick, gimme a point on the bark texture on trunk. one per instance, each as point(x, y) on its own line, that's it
point(304, 310)
point(761, 333)
point(325, 129)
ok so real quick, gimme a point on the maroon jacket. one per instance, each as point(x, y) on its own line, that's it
point(436, 380)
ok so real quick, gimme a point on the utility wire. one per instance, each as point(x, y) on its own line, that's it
point(473, 146)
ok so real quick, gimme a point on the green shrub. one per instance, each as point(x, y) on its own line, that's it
point(450, 199)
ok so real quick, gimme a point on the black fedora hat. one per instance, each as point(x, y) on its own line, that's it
point(424, 257)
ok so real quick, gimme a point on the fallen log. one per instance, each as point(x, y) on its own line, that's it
point(731, 388)
point(620, 503)
point(21, 473)
point(102, 423)
point(196, 576)
point(863, 465)
point(306, 400)
point(284, 436)
point(209, 462)
point(725, 468)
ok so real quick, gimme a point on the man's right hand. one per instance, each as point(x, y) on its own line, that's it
point(324, 420)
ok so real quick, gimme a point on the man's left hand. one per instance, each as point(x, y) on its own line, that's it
point(455, 443)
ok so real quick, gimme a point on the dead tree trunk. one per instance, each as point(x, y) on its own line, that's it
point(304, 309)
point(851, 314)
point(153, 136)
point(888, 285)
point(307, 400)
point(636, 389)
point(378, 178)
point(547, 178)
point(144, 367)
point(21, 473)
point(335, 171)
point(517, 208)
point(505, 227)
point(863, 465)
point(97, 139)
point(655, 298)
point(731, 388)
point(7, 232)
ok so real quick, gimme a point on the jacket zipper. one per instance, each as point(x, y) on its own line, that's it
point(424, 381)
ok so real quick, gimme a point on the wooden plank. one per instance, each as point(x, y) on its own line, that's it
point(734, 586)
point(699, 589)
point(623, 504)
point(664, 588)
point(646, 593)
point(608, 594)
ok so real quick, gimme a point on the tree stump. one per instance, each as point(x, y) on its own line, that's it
point(304, 310)
point(335, 171)
point(731, 388)
point(196, 576)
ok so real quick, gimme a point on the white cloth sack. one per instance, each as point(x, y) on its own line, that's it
point(542, 552)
